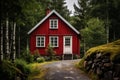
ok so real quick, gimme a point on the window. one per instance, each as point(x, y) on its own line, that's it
point(67, 41)
point(53, 23)
point(54, 41)
point(40, 41)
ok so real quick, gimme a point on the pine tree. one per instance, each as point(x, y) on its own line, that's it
point(111, 17)
point(60, 7)
point(81, 13)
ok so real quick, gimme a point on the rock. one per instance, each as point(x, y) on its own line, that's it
point(116, 78)
point(107, 65)
point(103, 67)
point(98, 55)
point(108, 75)
point(99, 71)
point(18, 78)
point(116, 70)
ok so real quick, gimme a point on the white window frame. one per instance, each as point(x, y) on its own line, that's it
point(52, 25)
point(53, 42)
point(40, 41)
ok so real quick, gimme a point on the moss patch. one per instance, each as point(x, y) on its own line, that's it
point(112, 48)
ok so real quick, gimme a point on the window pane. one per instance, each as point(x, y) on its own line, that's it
point(67, 41)
point(53, 24)
point(40, 41)
point(54, 41)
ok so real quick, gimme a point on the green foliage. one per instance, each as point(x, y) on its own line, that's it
point(60, 7)
point(36, 54)
point(22, 65)
point(110, 9)
point(27, 56)
point(8, 71)
point(40, 59)
point(50, 52)
point(94, 34)
point(81, 14)
point(76, 56)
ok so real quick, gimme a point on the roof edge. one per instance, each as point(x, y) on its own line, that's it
point(40, 22)
point(53, 11)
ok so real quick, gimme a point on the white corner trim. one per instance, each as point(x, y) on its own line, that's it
point(53, 11)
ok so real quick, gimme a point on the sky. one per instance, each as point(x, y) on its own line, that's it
point(70, 4)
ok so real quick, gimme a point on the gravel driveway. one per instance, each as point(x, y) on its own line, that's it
point(64, 70)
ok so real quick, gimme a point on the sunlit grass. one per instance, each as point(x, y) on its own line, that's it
point(38, 71)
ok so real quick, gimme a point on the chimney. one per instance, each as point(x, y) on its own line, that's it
point(48, 11)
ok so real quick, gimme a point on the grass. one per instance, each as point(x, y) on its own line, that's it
point(38, 71)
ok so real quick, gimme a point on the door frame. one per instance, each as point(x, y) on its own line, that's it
point(70, 48)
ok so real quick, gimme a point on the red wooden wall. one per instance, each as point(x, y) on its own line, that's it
point(63, 30)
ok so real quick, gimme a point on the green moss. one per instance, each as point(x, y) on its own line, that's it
point(112, 48)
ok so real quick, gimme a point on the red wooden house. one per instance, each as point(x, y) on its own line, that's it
point(53, 29)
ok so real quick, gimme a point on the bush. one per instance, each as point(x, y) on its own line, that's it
point(40, 59)
point(27, 56)
point(8, 71)
point(22, 65)
point(36, 54)
point(76, 56)
point(50, 52)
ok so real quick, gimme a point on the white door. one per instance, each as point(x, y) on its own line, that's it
point(67, 45)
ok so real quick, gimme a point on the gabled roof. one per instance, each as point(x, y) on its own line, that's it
point(53, 11)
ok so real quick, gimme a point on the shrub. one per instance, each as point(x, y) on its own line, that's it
point(22, 65)
point(76, 56)
point(40, 59)
point(50, 52)
point(36, 54)
point(8, 71)
point(27, 56)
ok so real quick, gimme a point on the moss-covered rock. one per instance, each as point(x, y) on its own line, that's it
point(113, 48)
point(102, 61)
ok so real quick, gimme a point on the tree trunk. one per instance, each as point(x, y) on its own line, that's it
point(13, 43)
point(11, 39)
point(1, 42)
point(107, 31)
point(107, 22)
point(19, 44)
point(84, 46)
point(7, 53)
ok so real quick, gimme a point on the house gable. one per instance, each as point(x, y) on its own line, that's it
point(53, 12)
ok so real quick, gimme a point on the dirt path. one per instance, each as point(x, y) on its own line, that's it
point(64, 70)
